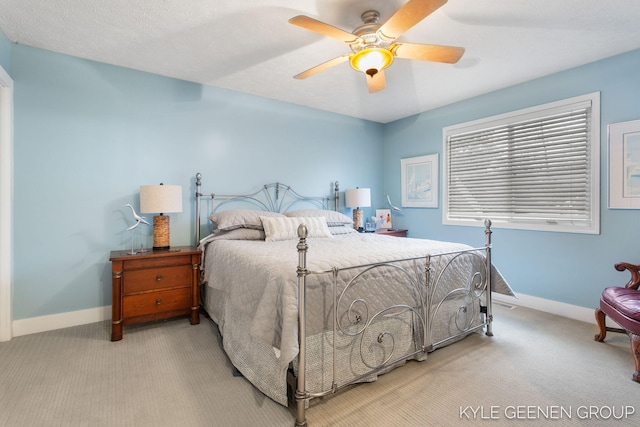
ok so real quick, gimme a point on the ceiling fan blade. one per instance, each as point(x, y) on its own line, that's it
point(376, 82)
point(409, 15)
point(325, 29)
point(427, 52)
point(325, 65)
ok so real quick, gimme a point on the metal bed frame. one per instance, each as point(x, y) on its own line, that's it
point(274, 197)
point(422, 310)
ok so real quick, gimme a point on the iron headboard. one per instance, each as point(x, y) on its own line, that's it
point(274, 197)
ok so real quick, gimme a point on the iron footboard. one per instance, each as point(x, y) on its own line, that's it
point(425, 303)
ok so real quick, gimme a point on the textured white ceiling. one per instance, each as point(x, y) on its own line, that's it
point(248, 45)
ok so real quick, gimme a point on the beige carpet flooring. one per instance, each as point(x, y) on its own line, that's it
point(538, 369)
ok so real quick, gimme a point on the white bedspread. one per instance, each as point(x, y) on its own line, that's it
point(258, 278)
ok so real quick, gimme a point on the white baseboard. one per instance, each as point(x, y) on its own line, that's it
point(549, 306)
point(74, 318)
point(34, 325)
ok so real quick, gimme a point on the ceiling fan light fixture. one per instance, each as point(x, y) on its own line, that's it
point(371, 60)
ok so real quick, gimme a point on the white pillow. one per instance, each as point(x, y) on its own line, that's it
point(344, 229)
point(286, 228)
point(334, 218)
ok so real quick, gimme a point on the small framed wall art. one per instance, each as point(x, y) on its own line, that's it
point(419, 176)
point(624, 165)
point(383, 219)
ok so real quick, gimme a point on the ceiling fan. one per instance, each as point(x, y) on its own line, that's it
point(374, 46)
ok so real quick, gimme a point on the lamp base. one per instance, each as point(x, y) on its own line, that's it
point(358, 222)
point(161, 232)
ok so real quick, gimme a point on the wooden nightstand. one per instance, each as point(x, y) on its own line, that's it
point(392, 232)
point(154, 285)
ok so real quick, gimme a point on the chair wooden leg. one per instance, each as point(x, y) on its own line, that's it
point(600, 320)
point(635, 348)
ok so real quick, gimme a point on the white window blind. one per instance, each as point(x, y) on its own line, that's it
point(532, 169)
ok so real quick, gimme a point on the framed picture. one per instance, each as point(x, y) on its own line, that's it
point(383, 218)
point(624, 165)
point(419, 177)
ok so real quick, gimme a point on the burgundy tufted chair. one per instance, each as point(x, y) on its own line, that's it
point(623, 306)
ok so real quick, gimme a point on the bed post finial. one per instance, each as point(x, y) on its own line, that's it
point(336, 195)
point(487, 232)
point(302, 231)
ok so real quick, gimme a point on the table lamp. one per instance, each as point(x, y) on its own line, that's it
point(357, 198)
point(161, 199)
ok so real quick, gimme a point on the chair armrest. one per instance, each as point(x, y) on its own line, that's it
point(634, 269)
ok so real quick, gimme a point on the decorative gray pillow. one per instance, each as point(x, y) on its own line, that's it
point(276, 229)
point(240, 218)
point(239, 234)
point(334, 218)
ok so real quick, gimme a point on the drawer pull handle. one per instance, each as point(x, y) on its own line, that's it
point(158, 301)
point(159, 277)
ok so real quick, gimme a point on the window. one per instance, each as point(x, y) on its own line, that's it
point(533, 169)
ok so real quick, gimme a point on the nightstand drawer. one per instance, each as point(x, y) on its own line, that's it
point(159, 278)
point(145, 263)
point(156, 302)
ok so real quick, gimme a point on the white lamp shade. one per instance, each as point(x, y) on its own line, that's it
point(160, 198)
point(357, 197)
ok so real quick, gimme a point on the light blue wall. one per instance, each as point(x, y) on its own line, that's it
point(87, 135)
point(571, 268)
